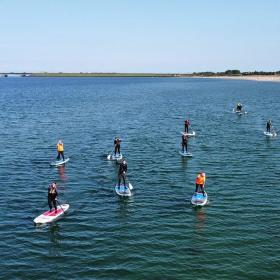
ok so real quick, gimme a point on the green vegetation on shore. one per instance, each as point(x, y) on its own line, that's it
point(194, 74)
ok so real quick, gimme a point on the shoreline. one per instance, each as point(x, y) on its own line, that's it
point(259, 78)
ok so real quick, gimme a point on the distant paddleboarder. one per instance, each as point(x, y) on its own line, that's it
point(122, 173)
point(52, 196)
point(200, 182)
point(117, 144)
point(60, 150)
point(187, 125)
point(184, 143)
point(239, 107)
point(268, 126)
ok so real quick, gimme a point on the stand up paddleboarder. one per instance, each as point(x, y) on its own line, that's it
point(184, 143)
point(117, 144)
point(122, 173)
point(187, 125)
point(52, 196)
point(60, 150)
point(200, 182)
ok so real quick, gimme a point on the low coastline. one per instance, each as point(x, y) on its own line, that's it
point(259, 78)
point(250, 77)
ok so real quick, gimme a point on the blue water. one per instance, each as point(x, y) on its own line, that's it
point(155, 234)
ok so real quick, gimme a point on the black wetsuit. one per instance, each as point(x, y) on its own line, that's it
point(122, 173)
point(187, 124)
point(52, 198)
point(239, 108)
point(268, 126)
point(184, 143)
point(117, 143)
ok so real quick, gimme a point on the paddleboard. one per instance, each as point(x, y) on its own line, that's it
point(188, 134)
point(185, 154)
point(50, 216)
point(124, 190)
point(59, 162)
point(198, 199)
point(239, 112)
point(270, 134)
point(115, 157)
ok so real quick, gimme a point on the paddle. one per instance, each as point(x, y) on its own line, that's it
point(60, 206)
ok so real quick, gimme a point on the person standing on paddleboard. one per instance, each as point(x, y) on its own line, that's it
point(60, 150)
point(187, 124)
point(184, 143)
point(52, 195)
point(117, 144)
point(122, 172)
point(268, 126)
point(200, 182)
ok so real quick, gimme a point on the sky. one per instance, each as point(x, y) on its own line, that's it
point(163, 36)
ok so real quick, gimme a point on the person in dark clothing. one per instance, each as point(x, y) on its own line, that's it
point(239, 107)
point(184, 143)
point(117, 144)
point(187, 124)
point(122, 172)
point(52, 195)
point(268, 126)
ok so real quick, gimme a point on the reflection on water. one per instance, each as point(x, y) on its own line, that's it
point(200, 214)
point(61, 173)
point(125, 206)
point(54, 238)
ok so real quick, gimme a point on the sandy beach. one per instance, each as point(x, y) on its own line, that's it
point(260, 78)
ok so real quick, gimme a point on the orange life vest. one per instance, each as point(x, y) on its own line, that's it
point(200, 179)
point(60, 147)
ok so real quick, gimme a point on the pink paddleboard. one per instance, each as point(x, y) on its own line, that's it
point(50, 216)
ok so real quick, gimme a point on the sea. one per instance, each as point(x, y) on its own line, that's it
point(156, 233)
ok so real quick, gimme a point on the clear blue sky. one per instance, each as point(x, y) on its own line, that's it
point(139, 35)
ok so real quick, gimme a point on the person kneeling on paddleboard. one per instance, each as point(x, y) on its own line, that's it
point(117, 143)
point(268, 126)
point(52, 195)
point(60, 150)
point(184, 143)
point(122, 173)
point(199, 182)
point(187, 124)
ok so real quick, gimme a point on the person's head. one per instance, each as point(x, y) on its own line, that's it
point(124, 161)
point(59, 141)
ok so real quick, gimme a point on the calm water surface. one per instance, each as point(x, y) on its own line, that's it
point(155, 234)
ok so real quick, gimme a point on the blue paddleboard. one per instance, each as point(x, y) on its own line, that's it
point(198, 199)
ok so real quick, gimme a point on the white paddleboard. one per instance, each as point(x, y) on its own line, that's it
point(50, 216)
point(124, 190)
point(59, 162)
point(270, 134)
point(188, 134)
point(239, 112)
point(185, 154)
point(115, 157)
point(198, 199)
